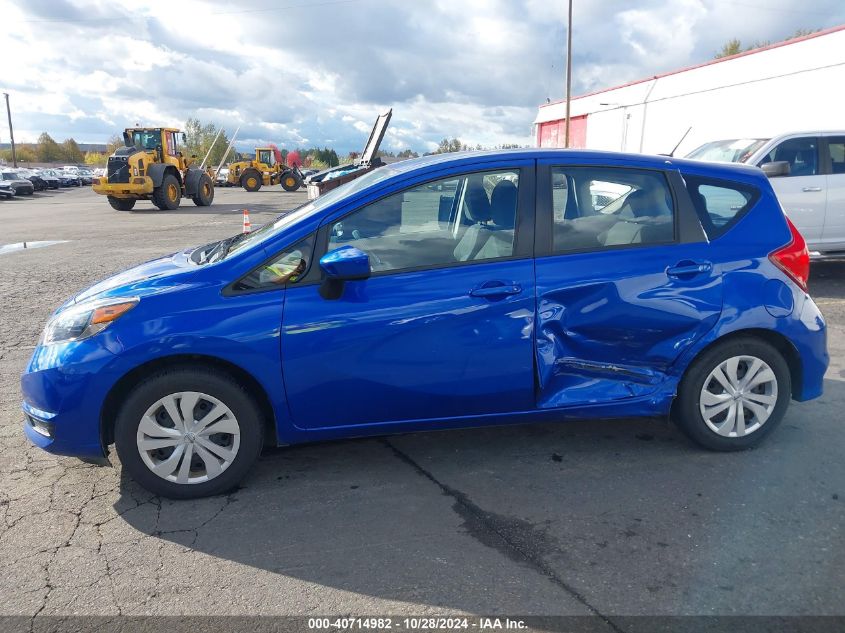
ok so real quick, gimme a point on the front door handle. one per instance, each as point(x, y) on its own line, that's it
point(688, 269)
point(809, 189)
point(496, 291)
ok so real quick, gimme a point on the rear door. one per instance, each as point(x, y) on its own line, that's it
point(803, 193)
point(624, 281)
point(833, 235)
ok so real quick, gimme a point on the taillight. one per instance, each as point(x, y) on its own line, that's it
point(794, 258)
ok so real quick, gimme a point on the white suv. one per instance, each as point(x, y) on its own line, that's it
point(807, 171)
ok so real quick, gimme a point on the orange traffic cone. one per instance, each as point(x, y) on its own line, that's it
point(247, 225)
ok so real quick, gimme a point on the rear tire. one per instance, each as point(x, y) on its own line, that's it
point(147, 436)
point(121, 204)
point(251, 180)
point(720, 407)
point(205, 192)
point(168, 195)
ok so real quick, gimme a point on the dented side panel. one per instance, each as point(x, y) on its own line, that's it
point(611, 323)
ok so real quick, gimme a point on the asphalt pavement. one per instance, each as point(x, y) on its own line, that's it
point(607, 518)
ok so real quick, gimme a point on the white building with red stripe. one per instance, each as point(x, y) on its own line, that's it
point(790, 86)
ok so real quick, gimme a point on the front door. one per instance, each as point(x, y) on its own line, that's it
point(620, 294)
point(444, 326)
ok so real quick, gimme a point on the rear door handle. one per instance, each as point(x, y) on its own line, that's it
point(496, 291)
point(689, 269)
point(809, 189)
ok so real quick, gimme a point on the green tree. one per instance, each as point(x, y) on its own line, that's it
point(71, 152)
point(96, 159)
point(445, 146)
point(114, 142)
point(734, 46)
point(200, 139)
point(23, 154)
point(47, 150)
point(731, 47)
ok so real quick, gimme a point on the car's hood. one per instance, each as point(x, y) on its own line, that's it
point(148, 278)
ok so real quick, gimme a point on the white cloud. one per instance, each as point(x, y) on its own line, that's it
point(320, 73)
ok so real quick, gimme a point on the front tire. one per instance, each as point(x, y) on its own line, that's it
point(291, 182)
point(251, 181)
point(188, 432)
point(733, 395)
point(121, 204)
point(168, 195)
point(205, 192)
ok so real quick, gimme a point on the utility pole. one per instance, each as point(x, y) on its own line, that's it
point(568, 72)
point(11, 131)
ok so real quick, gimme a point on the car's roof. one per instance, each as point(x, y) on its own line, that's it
point(567, 156)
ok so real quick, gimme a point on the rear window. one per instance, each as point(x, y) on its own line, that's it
point(719, 203)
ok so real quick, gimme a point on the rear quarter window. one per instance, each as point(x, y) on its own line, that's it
point(719, 203)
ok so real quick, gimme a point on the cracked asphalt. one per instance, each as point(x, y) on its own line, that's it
point(607, 518)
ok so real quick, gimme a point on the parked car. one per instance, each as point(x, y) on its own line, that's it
point(50, 178)
point(222, 178)
point(38, 183)
point(385, 305)
point(86, 176)
point(5, 190)
point(807, 171)
point(18, 183)
point(70, 178)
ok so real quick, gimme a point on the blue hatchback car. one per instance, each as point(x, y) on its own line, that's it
point(448, 291)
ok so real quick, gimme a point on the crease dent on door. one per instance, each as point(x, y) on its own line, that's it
point(610, 340)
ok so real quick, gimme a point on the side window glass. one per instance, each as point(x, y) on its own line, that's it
point(719, 204)
point(836, 149)
point(802, 154)
point(457, 219)
point(604, 207)
point(288, 267)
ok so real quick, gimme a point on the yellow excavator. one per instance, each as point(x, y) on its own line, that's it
point(150, 166)
point(267, 168)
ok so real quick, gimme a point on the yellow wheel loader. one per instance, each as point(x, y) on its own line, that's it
point(151, 167)
point(266, 169)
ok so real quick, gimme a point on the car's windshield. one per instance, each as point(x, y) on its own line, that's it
point(736, 150)
point(8, 175)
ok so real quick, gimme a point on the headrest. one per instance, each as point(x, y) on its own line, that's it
point(478, 205)
point(640, 204)
point(503, 204)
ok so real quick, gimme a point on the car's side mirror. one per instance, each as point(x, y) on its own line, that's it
point(776, 168)
point(346, 263)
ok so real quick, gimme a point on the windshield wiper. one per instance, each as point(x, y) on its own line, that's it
point(223, 247)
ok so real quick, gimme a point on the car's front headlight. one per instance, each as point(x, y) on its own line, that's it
point(86, 319)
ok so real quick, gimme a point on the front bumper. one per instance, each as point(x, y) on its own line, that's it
point(64, 387)
point(137, 186)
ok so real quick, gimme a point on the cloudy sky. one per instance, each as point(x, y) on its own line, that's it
point(317, 72)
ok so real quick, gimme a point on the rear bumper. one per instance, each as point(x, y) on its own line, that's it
point(811, 343)
point(137, 186)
